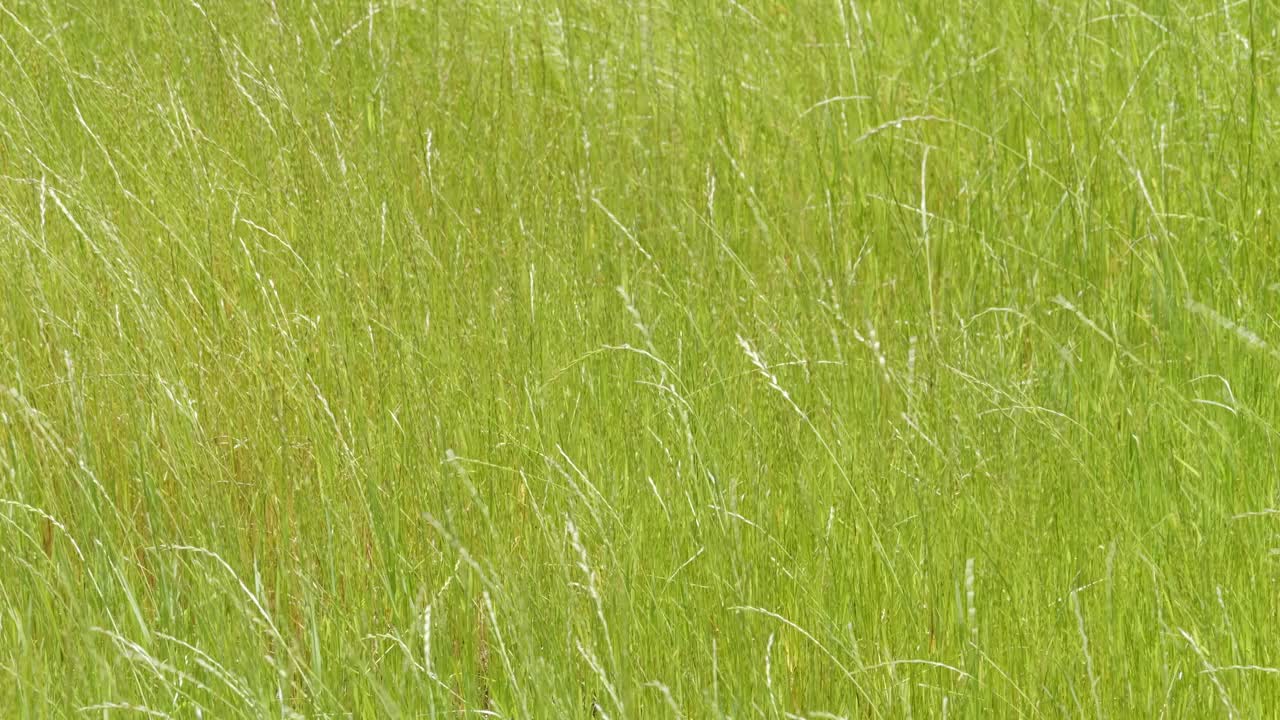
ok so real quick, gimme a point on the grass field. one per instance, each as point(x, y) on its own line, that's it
point(572, 359)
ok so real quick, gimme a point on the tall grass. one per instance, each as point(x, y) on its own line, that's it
point(654, 359)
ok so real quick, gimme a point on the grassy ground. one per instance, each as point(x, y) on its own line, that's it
point(630, 360)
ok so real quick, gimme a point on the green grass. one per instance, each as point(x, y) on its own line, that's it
point(577, 359)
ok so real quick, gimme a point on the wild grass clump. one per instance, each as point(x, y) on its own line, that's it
point(631, 360)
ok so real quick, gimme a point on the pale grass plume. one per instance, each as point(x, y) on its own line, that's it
point(594, 663)
point(1088, 657)
point(589, 575)
point(1247, 336)
point(971, 594)
point(763, 368)
point(506, 657)
point(1212, 672)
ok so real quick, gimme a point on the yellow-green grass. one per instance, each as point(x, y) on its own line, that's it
point(635, 360)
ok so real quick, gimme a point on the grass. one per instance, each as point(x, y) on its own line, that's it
point(576, 359)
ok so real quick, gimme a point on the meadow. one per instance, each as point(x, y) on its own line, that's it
point(575, 359)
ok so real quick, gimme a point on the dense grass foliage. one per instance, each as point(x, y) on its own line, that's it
point(575, 359)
